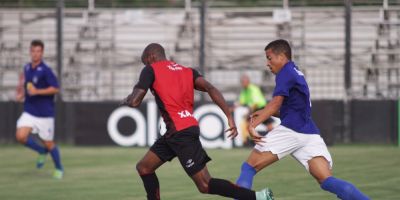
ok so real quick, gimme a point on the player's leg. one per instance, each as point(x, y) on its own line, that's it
point(46, 133)
point(320, 170)
point(54, 151)
point(24, 137)
point(315, 157)
point(255, 162)
point(277, 144)
point(158, 154)
point(22, 134)
point(146, 168)
point(208, 185)
point(193, 158)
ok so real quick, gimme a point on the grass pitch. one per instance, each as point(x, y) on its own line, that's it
point(109, 173)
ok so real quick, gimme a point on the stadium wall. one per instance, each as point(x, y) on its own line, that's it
point(104, 123)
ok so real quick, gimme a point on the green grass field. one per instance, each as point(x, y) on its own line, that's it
point(109, 173)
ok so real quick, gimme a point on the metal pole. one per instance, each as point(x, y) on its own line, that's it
point(59, 29)
point(385, 4)
point(347, 73)
point(91, 5)
point(202, 35)
point(347, 65)
point(59, 125)
point(188, 6)
point(398, 123)
point(285, 4)
point(202, 54)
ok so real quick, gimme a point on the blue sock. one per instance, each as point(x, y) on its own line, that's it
point(247, 174)
point(344, 190)
point(35, 146)
point(55, 155)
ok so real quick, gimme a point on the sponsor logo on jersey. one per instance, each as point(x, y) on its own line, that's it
point(174, 67)
point(189, 163)
point(184, 114)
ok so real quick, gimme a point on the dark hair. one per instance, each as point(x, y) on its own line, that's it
point(154, 49)
point(280, 46)
point(36, 43)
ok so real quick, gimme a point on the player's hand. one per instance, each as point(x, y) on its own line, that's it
point(126, 101)
point(256, 118)
point(255, 136)
point(19, 97)
point(232, 128)
point(32, 90)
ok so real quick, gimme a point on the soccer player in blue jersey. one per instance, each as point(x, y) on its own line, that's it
point(297, 135)
point(40, 86)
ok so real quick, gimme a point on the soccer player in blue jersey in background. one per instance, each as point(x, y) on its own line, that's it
point(297, 135)
point(40, 86)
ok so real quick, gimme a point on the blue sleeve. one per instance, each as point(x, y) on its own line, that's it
point(284, 82)
point(51, 78)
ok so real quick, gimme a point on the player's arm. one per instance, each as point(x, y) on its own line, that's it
point(46, 91)
point(20, 92)
point(259, 116)
point(269, 110)
point(201, 84)
point(135, 98)
point(146, 79)
point(277, 114)
point(284, 82)
point(52, 89)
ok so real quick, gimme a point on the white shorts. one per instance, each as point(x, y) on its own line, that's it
point(44, 126)
point(283, 141)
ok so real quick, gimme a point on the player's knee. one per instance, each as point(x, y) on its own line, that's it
point(139, 168)
point(49, 145)
point(21, 138)
point(321, 178)
point(142, 169)
point(203, 188)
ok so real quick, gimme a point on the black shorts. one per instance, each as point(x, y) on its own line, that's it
point(184, 144)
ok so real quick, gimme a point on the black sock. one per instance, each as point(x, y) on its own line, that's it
point(228, 189)
point(152, 186)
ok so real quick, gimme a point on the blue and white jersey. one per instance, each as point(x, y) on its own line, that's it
point(295, 112)
point(41, 77)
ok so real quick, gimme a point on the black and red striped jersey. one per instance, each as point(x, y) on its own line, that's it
point(173, 88)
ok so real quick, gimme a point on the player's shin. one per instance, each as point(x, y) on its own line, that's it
point(344, 190)
point(247, 174)
point(34, 146)
point(55, 155)
point(151, 185)
point(227, 189)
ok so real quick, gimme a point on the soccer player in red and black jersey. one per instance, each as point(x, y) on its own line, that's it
point(173, 87)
